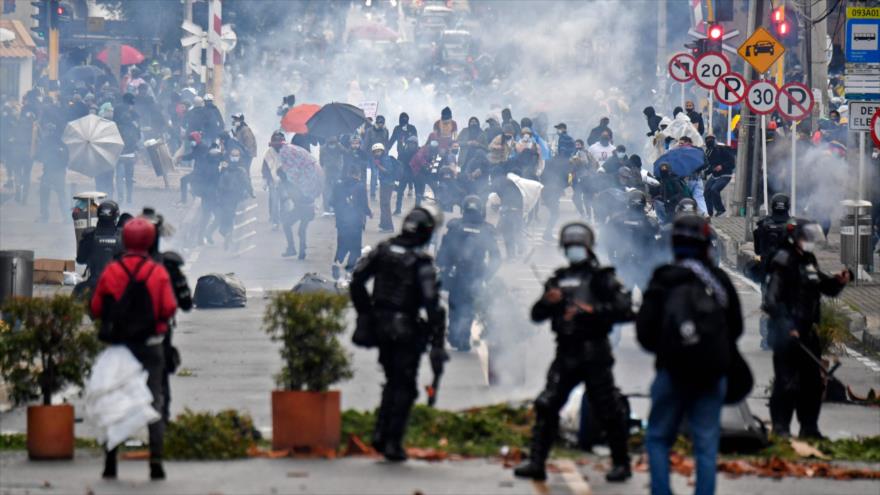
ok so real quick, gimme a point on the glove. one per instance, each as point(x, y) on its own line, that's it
point(438, 356)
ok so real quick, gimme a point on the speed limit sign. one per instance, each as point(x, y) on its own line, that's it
point(709, 68)
point(795, 101)
point(761, 97)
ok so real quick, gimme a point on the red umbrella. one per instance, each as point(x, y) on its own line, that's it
point(373, 32)
point(295, 119)
point(128, 55)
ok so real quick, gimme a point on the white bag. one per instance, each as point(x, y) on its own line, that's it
point(118, 401)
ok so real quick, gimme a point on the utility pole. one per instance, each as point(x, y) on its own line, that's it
point(188, 16)
point(744, 173)
point(817, 35)
point(661, 50)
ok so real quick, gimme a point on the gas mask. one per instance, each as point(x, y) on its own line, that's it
point(576, 254)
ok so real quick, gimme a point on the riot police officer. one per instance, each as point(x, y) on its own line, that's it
point(467, 258)
point(792, 295)
point(404, 282)
point(583, 301)
point(769, 235)
point(633, 238)
point(99, 245)
point(770, 231)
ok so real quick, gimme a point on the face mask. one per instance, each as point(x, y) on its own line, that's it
point(604, 142)
point(455, 152)
point(576, 254)
point(560, 132)
point(621, 155)
point(808, 246)
point(234, 159)
point(193, 144)
point(710, 144)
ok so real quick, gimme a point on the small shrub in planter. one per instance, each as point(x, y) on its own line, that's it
point(305, 415)
point(45, 347)
point(203, 436)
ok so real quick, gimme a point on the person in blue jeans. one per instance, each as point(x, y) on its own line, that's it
point(690, 319)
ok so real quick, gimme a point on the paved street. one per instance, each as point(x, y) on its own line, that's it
point(229, 363)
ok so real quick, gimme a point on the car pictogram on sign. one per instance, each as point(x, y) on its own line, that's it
point(760, 47)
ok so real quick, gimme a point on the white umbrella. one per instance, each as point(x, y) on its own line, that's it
point(94, 145)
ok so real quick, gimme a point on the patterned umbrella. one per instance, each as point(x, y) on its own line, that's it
point(302, 170)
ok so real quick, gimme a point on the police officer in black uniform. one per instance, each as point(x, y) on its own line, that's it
point(173, 263)
point(792, 295)
point(633, 238)
point(99, 245)
point(468, 257)
point(769, 235)
point(404, 282)
point(583, 301)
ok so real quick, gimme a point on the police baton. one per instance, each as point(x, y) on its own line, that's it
point(828, 372)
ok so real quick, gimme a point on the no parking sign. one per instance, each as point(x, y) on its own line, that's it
point(795, 101)
point(730, 88)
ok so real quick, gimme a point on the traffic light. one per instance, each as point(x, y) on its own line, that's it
point(714, 37)
point(41, 18)
point(697, 47)
point(785, 26)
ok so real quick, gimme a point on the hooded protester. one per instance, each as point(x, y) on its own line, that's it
point(470, 138)
point(493, 129)
point(564, 143)
point(446, 129)
point(331, 159)
point(507, 119)
point(244, 135)
point(127, 121)
point(653, 120)
point(352, 211)
point(596, 133)
point(690, 320)
point(402, 131)
point(722, 164)
point(271, 162)
point(213, 122)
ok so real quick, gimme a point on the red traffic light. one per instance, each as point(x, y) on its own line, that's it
point(779, 15)
point(716, 32)
point(782, 28)
point(59, 10)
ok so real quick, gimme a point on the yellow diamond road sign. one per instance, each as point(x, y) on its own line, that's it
point(761, 50)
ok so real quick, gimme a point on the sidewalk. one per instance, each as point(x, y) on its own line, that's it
point(863, 298)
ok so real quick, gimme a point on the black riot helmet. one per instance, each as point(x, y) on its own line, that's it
point(636, 200)
point(577, 234)
point(472, 210)
point(108, 213)
point(686, 206)
point(779, 205)
point(419, 224)
point(691, 237)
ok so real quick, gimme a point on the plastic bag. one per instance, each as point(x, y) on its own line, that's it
point(118, 401)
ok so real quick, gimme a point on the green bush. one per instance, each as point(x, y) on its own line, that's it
point(475, 432)
point(203, 436)
point(307, 325)
point(833, 326)
point(45, 346)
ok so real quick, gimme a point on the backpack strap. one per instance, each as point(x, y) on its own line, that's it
point(133, 274)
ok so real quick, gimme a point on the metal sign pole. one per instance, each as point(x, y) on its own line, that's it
point(711, 110)
point(860, 193)
point(793, 168)
point(682, 95)
point(729, 132)
point(764, 160)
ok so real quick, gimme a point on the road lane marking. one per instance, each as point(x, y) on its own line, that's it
point(573, 477)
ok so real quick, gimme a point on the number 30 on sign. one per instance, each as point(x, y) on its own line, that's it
point(761, 97)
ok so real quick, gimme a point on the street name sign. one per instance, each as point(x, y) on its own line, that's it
point(860, 115)
point(761, 50)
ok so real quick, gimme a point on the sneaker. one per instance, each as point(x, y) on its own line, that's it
point(531, 470)
point(619, 474)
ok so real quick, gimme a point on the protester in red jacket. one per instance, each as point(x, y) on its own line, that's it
point(137, 237)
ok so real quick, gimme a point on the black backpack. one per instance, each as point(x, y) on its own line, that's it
point(694, 339)
point(130, 319)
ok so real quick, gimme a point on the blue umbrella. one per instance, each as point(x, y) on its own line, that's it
point(683, 161)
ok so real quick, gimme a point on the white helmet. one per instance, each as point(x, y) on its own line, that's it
point(378, 146)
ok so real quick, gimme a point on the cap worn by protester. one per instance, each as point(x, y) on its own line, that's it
point(446, 113)
point(561, 126)
point(378, 147)
point(380, 119)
